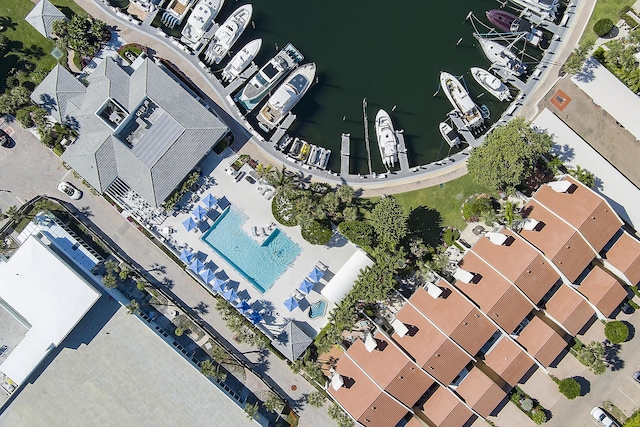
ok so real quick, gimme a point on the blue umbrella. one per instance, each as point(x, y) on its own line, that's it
point(196, 266)
point(306, 286)
point(255, 317)
point(189, 224)
point(199, 212)
point(243, 306)
point(291, 304)
point(218, 284)
point(316, 274)
point(186, 256)
point(230, 295)
point(207, 275)
point(209, 201)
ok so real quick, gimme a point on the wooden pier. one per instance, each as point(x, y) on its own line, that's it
point(403, 158)
point(241, 79)
point(463, 130)
point(282, 128)
point(345, 150)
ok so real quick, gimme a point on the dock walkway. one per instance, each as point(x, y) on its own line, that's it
point(403, 158)
point(239, 81)
point(345, 150)
point(282, 128)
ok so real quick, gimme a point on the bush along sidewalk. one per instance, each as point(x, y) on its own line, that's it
point(531, 407)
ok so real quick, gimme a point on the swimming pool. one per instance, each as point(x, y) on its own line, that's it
point(260, 264)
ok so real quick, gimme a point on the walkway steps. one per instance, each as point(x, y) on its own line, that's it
point(345, 150)
point(403, 158)
point(282, 128)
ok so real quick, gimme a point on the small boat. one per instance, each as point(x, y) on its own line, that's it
point(295, 149)
point(241, 60)
point(460, 100)
point(284, 143)
point(491, 83)
point(286, 96)
point(449, 135)
point(228, 33)
point(387, 141)
point(304, 151)
point(484, 110)
point(269, 76)
point(318, 157)
point(510, 23)
point(501, 56)
point(545, 9)
point(324, 159)
point(176, 12)
point(200, 20)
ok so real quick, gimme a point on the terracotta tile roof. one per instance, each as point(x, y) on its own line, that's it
point(570, 309)
point(494, 294)
point(446, 410)
point(509, 361)
point(480, 392)
point(456, 316)
point(431, 349)
point(584, 209)
point(558, 241)
point(414, 422)
point(520, 263)
point(625, 256)
point(363, 399)
point(392, 370)
point(603, 290)
point(541, 341)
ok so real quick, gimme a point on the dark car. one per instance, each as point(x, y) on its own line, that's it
point(4, 139)
point(626, 308)
point(636, 376)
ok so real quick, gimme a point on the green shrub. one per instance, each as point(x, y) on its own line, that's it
point(134, 48)
point(538, 416)
point(450, 235)
point(282, 211)
point(24, 117)
point(602, 27)
point(526, 404)
point(629, 20)
point(569, 387)
point(477, 207)
point(599, 55)
point(358, 232)
point(616, 331)
point(179, 331)
point(624, 10)
point(316, 233)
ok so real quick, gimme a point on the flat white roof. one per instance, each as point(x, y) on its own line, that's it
point(610, 93)
point(49, 295)
point(622, 194)
point(342, 282)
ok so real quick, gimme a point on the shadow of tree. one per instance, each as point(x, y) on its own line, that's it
point(585, 385)
point(425, 222)
point(611, 356)
point(86, 211)
point(157, 267)
point(201, 308)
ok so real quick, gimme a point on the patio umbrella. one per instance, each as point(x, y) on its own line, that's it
point(207, 275)
point(255, 317)
point(306, 286)
point(199, 212)
point(243, 306)
point(218, 284)
point(186, 256)
point(291, 304)
point(189, 224)
point(196, 265)
point(316, 274)
point(230, 295)
point(209, 201)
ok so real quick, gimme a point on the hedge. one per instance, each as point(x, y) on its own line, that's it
point(316, 233)
point(569, 387)
point(603, 27)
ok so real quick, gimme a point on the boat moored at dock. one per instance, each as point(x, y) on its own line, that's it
point(387, 141)
point(241, 60)
point(228, 33)
point(460, 100)
point(545, 9)
point(501, 56)
point(450, 136)
point(510, 23)
point(199, 22)
point(491, 83)
point(176, 12)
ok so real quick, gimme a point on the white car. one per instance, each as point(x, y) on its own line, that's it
point(69, 190)
point(602, 418)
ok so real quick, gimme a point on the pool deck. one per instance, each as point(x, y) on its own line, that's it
point(247, 198)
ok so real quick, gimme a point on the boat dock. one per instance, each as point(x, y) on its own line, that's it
point(345, 149)
point(241, 79)
point(206, 38)
point(463, 130)
point(511, 79)
point(403, 158)
point(282, 128)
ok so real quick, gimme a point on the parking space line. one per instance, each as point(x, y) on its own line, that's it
point(627, 396)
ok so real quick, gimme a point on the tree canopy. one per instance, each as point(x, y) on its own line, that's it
point(508, 155)
point(389, 220)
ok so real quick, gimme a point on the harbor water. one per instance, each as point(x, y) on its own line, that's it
point(389, 52)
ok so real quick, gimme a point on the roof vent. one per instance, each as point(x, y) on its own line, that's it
point(434, 290)
point(336, 381)
point(400, 328)
point(370, 343)
point(463, 275)
point(560, 186)
point(530, 224)
point(497, 239)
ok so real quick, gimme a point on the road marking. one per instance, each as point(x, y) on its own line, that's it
point(627, 396)
point(3, 153)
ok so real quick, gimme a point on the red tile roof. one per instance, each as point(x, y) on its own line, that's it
point(480, 392)
point(509, 361)
point(431, 349)
point(558, 241)
point(494, 294)
point(584, 209)
point(456, 316)
point(392, 370)
point(603, 290)
point(570, 309)
point(541, 341)
point(625, 256)
point(444, 409)
point(363, 399)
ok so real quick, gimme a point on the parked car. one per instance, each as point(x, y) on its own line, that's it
point(603, 418)
point(68, 189)
point(636, 376)
point(4, 139)
point(626, 308)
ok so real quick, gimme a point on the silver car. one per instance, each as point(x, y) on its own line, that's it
point(603, 418)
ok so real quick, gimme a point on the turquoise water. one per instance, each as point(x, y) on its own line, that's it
point(317, 309)
point(259, 264)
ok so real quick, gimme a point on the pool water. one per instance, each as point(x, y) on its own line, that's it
point(317, 309)
point(260, 264)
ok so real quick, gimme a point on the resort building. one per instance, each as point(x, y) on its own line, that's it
point(140, 130)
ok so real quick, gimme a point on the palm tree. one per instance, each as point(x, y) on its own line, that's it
point(345, 194)
point(282, 181)
point(14, 214)
point(264, 171)
point(316, 399)
point(210, 370)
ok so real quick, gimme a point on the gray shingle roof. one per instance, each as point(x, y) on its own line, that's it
point(42, 17)
point(292, 340)
point(56, 90)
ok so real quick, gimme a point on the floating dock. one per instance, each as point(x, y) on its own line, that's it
point(345, 149)
point(511, 79)
point(403, 158)
point(463, 130)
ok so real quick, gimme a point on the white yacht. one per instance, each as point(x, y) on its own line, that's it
point(449, 135)
point(241, 60)
point(460, 100)
point(501, 55)
point(286, 96)
point(545, 9)
point(491, 83)
point(228, 33)
point(387, 141)
point(269, 76)
point(199, 22)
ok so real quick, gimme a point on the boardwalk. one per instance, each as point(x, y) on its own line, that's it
point(345, 150)
point(402, 152)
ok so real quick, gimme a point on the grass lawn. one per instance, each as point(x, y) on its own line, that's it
point(27, 44)
point(436, 207)
point(604, 9)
